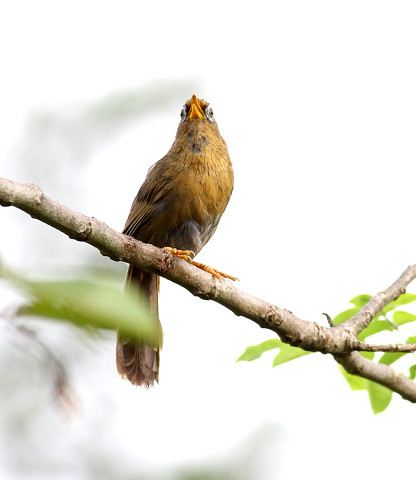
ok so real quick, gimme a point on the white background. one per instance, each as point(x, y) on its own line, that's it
point(316, 101)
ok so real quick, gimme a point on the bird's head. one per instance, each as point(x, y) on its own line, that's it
point(197, 128)
point(197, 109)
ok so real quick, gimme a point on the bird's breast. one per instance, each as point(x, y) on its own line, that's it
point(196, 206)
point(201, 187)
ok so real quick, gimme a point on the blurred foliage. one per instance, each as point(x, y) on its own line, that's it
point(38, 443)
point(388, 320)
point(57, 139)
point(87, 304)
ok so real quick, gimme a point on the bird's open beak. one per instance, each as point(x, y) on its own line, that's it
point(195, 110)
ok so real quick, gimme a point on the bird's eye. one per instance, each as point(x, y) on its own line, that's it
point(209, 113)
point(183, 113)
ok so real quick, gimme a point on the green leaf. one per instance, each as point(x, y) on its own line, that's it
point(91, 304)
point(355, 382)
point(402, 300)
point(360, 300)
point(287, 353)
point(412, 372)
point(253, 352)
point(375, 326)
point(411, 339)
point(369, 355)
point(390, 357)
point(400, 318)
point(380, 396)
point(345, 315)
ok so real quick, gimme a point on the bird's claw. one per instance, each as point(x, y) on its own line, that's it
point(187, 255)
point(213, 271)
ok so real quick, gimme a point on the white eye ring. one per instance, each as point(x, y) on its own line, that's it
point(183, 113)
point(209, 113)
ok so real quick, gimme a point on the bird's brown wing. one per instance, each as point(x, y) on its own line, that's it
point(139, 213)
point(146, 203)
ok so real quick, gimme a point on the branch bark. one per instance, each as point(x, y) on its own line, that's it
point(366, 347)
point(364, 317)
point(340, 341)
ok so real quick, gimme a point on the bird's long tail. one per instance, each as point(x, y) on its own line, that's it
point(136, 361)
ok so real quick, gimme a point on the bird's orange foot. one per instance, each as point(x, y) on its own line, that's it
point(213, 271)
point(187, 255)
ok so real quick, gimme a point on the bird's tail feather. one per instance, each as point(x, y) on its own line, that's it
point(136, 361)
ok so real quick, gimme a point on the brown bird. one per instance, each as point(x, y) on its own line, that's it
point(178, 207)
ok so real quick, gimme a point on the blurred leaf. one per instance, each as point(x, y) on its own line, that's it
point(91, 304)
point(369, 355)
point(287, 353)
point(400, 318)
point(390, 357)
point(360, 300)
point(402, 300)
point(412, 372)
point(411, 339)
point(87, 303)
point(355, 382)
point(375, 326)
point(380, 396)
point(253, 352)
point(345, 315)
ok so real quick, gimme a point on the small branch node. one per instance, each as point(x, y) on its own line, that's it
point(38, 194)
point(329, 319)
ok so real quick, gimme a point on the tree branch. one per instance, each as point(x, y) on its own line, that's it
point(366, 347)
point(340, 341)
point(356, 364)
point(364, 317)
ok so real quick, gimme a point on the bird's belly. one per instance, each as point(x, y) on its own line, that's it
point(189, 218)
point(180, 225)
point(191, 235)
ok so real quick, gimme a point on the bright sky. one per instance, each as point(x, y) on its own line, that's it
point(316, 101)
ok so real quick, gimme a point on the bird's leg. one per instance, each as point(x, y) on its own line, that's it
point(213, 271)
point(188, 255)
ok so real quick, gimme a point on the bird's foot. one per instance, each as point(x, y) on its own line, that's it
point(188, 255)
point(213, 271)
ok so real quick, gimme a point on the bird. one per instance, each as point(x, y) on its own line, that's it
point(178, 208)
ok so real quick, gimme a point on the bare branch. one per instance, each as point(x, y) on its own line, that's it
point(366, 347)
point(364, 317)
point(340, 341)
point(356, 364)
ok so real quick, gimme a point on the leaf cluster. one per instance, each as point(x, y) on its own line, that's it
point(388, 320)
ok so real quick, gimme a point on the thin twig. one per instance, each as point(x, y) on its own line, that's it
point(367, 347)
point(363, 318)
point(329, 320)
point(61, 388)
